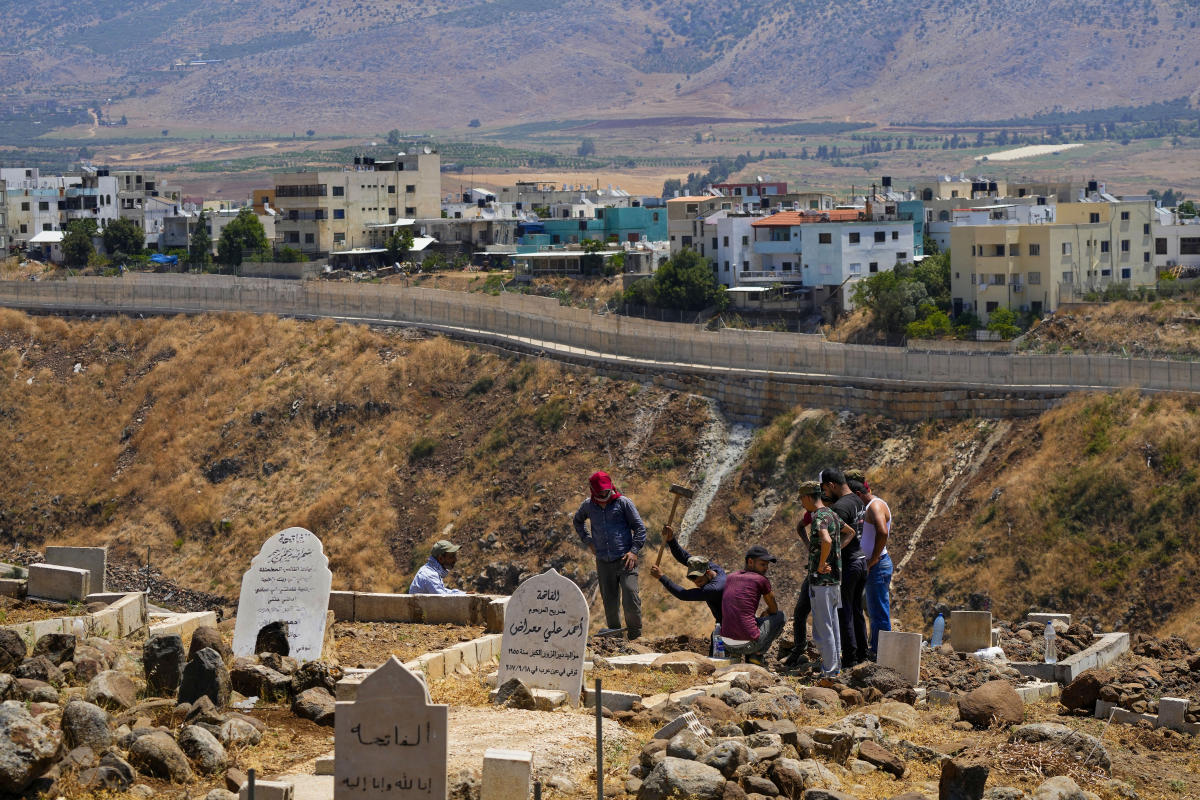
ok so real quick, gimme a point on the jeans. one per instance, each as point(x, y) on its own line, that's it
point(619, 587)
point(879, 582)
point(825, 601)
point(769, 628)
point(851, 621)
point(800, 619)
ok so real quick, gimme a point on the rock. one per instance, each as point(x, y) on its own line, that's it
point(234, 778)
point(257, 680)
point(712, 711)
point(1082, 745)
point(87, 667)
point(822, 698)
point(874, 753)
point(871, 675)
point(220, 794)
point(205, 675)
point(513, 693)
point(1059, 788)
point(157, 754)
point(896, 715)
point(317, 673)
point(464, 786)
point(39, 668)
point(962, 779)
point(1005, 793)
point(272, 638)
point(757, 784)
point(208, 636)
point(851, 697)
point(203, 710)
point(679, 778)
point(39, 692)
point(826, 794)
point(285, 665)
point(122, 767)
point(833, 744)
point(203, 749)
point(784, 728)
point(112, 689)
point(1120, 789)
point(685, 744)
point(79, 758)
point(12, 649)
point(860, 726)
point(793, 777)
point(726, 757)
point(910, 796)
point(141, 791)
point(103, 778)
point(562, 784)
point(236, 731)
point(733, 696)
point(860, 767)
point(1082, 693)
point(652, 753)
point(752, 682)
point(27, 748)
point(762, 708)
point(315, 704)
point(8, 686)
point(86, 724)
point(633, 785)
point(993, 703)
point(58, 647)
point(162, 660)
point(677, 662)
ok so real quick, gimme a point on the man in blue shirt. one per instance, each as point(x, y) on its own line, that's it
point(707, 575)
point(616, 538)
point(429, 578)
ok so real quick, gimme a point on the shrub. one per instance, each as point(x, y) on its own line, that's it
point(551, 414)
point(481, 386)
point(423, 447)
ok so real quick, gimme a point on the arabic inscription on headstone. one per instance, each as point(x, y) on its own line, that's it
point(545, 635)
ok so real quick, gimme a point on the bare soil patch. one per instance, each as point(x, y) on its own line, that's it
point(14, 611)
point(369, 644)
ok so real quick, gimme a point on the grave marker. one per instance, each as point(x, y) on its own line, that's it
point(390, 743)
point(970, 630)
point(901, 652)
point(287, 581)
point(545, 635)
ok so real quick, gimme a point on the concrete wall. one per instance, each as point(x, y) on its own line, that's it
point(757, 361)
point(93, 559)
point(456, 609)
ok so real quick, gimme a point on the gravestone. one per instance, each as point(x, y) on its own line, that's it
point(970, 630)
point(288, 581)
point(390, 742)
point(545, 635)
point(901, 652)
point(93, 559)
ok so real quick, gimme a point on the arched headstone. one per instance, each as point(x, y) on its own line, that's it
point(545, 635)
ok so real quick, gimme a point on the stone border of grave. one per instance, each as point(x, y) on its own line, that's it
point(125, 615)
point(437, 664)
point(457, 609)
point(1101, 653)
point(1171, 711)
point(1032, 692)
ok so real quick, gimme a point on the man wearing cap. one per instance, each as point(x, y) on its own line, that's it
point(429, 577)
point(824, 576)
point(707, 575)
point(744, 633)
point(616, 538)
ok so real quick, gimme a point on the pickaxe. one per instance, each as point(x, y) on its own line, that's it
point(678, 491)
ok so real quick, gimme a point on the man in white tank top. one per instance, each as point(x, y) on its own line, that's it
point(876, 527)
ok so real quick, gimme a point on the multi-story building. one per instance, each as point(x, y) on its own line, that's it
point(529, 195)
point(1176, 241)
point(324, 211)
point(38, 204)
point(1036, 266)
point(146, 200)
point(685, 220)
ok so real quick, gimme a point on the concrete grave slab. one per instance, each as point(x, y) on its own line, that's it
point(13, 587)
point(288, 581)
point(184, 624)
point(546, 699)
point(613, 701)
point(342, 605)
point(383, 607)
point(507, 774)
point(545, 635)
point(634, 662)
point(902, 652)
point(93, 559)
point(1043, 617)
point(64, 584)
point(1107, 649)
point(970, 630)
point(268, 790)
point(391, 743)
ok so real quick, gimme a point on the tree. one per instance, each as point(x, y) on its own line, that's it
point(123, 237)
point(894, 300)
point(474, 123)
point(586, 148)
point(310, 132)
point(399, 243)
point(242, 238)
point(1187, 210)
point(200, 246)
point(1004, 322)
point(933, 272)
point(77, 245)
point(393, 137)
point(684, 281)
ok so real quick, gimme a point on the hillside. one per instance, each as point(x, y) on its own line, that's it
point(199, 437)
point(371, 65)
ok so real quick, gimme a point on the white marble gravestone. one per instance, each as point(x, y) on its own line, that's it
point(545, 635)
point(288, 580)
point(390, 741)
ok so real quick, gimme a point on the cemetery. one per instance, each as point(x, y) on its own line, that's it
point(308, 693)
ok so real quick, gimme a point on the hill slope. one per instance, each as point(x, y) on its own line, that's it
point(371, 65)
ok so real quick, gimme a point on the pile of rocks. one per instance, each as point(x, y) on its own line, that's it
point(1027, 640)
point(1158, 668)
point(944, 669)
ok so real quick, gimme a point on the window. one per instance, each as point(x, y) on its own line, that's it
point(43, 206)
point(1126, 273)
point(1145, 256)
point(339, 238)
point(725, 241)
point(1189, 245)
point(992, 305)
point(997, 250)
point(46, 226)
point(292, 237)
point(1035, 249)
point(391, 212)
point(1104, 273)
point(1104, 246)
point(787, 266)
point(1014, 249)
point(1066, 248)
point(873, 266)
point(1034, 278)
point(339, 213)
point(338, 191)
point(25, 206)
point(855, 237)
point(895, 235)
point(780, 234)
point(714, 243)
point(957, 276)
point(410, 189)
point(998, 279)
point(972, 250)
point(654, 217)
point(1124, 245)
point(824, 238)
point(1146, 229)
point(24, 228)
point(727, 266)
point(1067, 277)
point(309, 238)
point(902, 255)
point(880, 236)
point(410, 211)
point(855, 268)
point(1160, 246)
point(1093, 217)
point(745, 241)
point(745, 266)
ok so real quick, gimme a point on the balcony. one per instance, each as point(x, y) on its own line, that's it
point(767, 276)
point(768, 248)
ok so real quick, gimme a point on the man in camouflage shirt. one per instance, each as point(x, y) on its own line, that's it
point(824, 576)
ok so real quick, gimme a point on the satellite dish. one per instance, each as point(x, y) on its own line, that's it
point(426, 150)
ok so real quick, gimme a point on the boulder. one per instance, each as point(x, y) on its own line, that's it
point(78, 758)
point(87, 667)
point(162, 659)
point(39, 668)
point(822, 698)
point(103, 778)
point(793, 777)
point(784, 728)
point(1059, 788)
point(832, 744)
point(896, 715)
point(273, 638)
point(203, 749)
point(315, 704)
point(711, 711)
point(1082, 693)
point(826, 794)
point(257, 680)
point(871, 675)
point(962, 779)
point(860, 726)
point(753, 681)
point(235, 731)
point(993, 703)
point(685, 744)
point(234, 778)
point(205, 675)
point(12, 649)
point(876, 754)
point(756, 784)
point(679, 660)
point(157, 754)
point(513, 693)
point(58, 647)
point(731, 791)
point(8, 687)
point(86, 724)
point(317, 673)
point(680, 778)
point(112, 689)
point(208, 636)
point(733, 696)
point(1082, 745)
point(285, 665)
point(727, 757)
point(27, 748)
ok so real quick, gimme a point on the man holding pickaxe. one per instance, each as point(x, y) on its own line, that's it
point(707, 575)
point(617, 536)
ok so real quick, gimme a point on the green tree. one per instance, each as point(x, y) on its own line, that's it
point(393, 137)
point(1187, 210)
point(123, 237)
point(242, 238)
point(289, 255)
point(200, 245)
point(933, 272)
point(399, 243)
point(893, 299)
point(1004, 322)
point(935, 326)
point(77, 244)
point(684, 281)
point(586, 148)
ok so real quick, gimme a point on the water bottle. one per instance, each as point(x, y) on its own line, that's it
point(718, 644)
point(939, 630)
point(1051, 649)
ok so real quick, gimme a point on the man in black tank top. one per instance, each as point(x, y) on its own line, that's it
point(851, 618)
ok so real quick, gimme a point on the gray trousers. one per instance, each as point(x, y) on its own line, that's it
point(619, 587)
point(826, 633)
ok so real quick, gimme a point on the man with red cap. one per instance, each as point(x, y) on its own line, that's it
point(617, 536)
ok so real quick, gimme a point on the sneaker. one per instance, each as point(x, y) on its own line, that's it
point(757, 660)
point(796, 658)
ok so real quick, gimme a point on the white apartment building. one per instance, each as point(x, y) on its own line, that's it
point(1176, 241)
point(38, 204)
